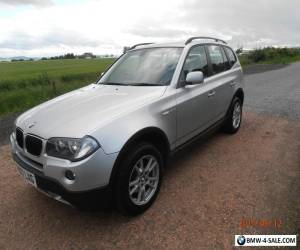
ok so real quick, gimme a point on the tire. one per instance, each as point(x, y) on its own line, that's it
point(234, 117)
point(144, 187)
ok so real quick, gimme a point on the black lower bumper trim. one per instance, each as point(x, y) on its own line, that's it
point(88, 199)
point(96, 198)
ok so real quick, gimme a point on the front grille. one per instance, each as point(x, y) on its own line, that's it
point(33, 145)
point(19, 137)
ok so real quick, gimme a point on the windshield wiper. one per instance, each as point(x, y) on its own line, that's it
point(132, 84)
point(146, 84)
point(114, 83)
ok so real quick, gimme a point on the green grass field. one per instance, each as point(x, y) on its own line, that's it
point(26, 84)
point(245, 60)
point(271, 55)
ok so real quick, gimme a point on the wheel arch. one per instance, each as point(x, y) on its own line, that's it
point(238, 93)
point(153, 135)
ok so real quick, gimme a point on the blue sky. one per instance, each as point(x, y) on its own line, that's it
point(9, 11)
point(53, 27)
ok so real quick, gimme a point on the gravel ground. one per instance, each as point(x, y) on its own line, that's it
point(6, 125)
point(208, 189)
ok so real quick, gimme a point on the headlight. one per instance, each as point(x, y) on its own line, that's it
point(70, 148)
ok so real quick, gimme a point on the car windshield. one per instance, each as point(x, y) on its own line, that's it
point(144, 67)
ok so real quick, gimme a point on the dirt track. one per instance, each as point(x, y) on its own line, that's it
point(208, 189)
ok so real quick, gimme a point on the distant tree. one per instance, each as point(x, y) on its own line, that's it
point(258, 55)
point(239, 50)
point(66, 56)
point(17, 60)
point(87, 55)
point(44, 58)
point(69, 56)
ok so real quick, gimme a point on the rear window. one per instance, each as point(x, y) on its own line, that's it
point(231, 56)
point(226, 61)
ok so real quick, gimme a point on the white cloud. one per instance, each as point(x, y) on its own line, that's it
point(27, 2)
point(106, 26)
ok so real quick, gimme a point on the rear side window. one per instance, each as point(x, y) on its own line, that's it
point(226, 61)
point(216, 58)
point(231, 56)
point(195, 61)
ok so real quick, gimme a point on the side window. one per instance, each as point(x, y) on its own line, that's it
point(226, 61)
point(195, 61)
point(216, 58)
point(230, 55)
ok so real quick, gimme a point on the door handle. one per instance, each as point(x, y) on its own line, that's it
point(211, 93)
point(233, 83)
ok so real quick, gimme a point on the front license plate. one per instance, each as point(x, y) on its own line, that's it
point(29, 177)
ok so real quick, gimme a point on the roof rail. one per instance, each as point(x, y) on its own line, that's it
point(139, 44)
point(204, 37)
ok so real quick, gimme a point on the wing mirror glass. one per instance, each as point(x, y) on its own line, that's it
point(195, 77)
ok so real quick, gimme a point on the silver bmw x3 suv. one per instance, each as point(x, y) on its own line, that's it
point(109, 142)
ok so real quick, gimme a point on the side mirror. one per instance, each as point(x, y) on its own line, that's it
point(102, 74)
point(195, 77)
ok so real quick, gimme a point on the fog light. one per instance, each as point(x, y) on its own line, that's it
point(70, 175)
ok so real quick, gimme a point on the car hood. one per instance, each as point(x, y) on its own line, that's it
point(80, 112)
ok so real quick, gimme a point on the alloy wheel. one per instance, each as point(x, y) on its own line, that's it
point(236, 116)
point(143, 180)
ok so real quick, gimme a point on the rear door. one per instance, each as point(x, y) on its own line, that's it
point(221, 81)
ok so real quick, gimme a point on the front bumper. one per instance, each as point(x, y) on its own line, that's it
point(96, 198)
point(90, 173)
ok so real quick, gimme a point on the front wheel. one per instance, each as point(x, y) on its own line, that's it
point(139, 178)
point(234, 118)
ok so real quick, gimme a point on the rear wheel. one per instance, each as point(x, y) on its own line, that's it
point(234, 119)
point(138, 179)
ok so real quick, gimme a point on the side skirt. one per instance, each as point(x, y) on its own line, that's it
point(202, 135)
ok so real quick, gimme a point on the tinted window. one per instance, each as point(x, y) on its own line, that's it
point(195, 61)
point(230, 55)
point(153, 66)
point(216, 58)
point(226, 61)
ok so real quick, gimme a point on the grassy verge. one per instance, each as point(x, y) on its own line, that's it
point(26, 84)
point(270, 56)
